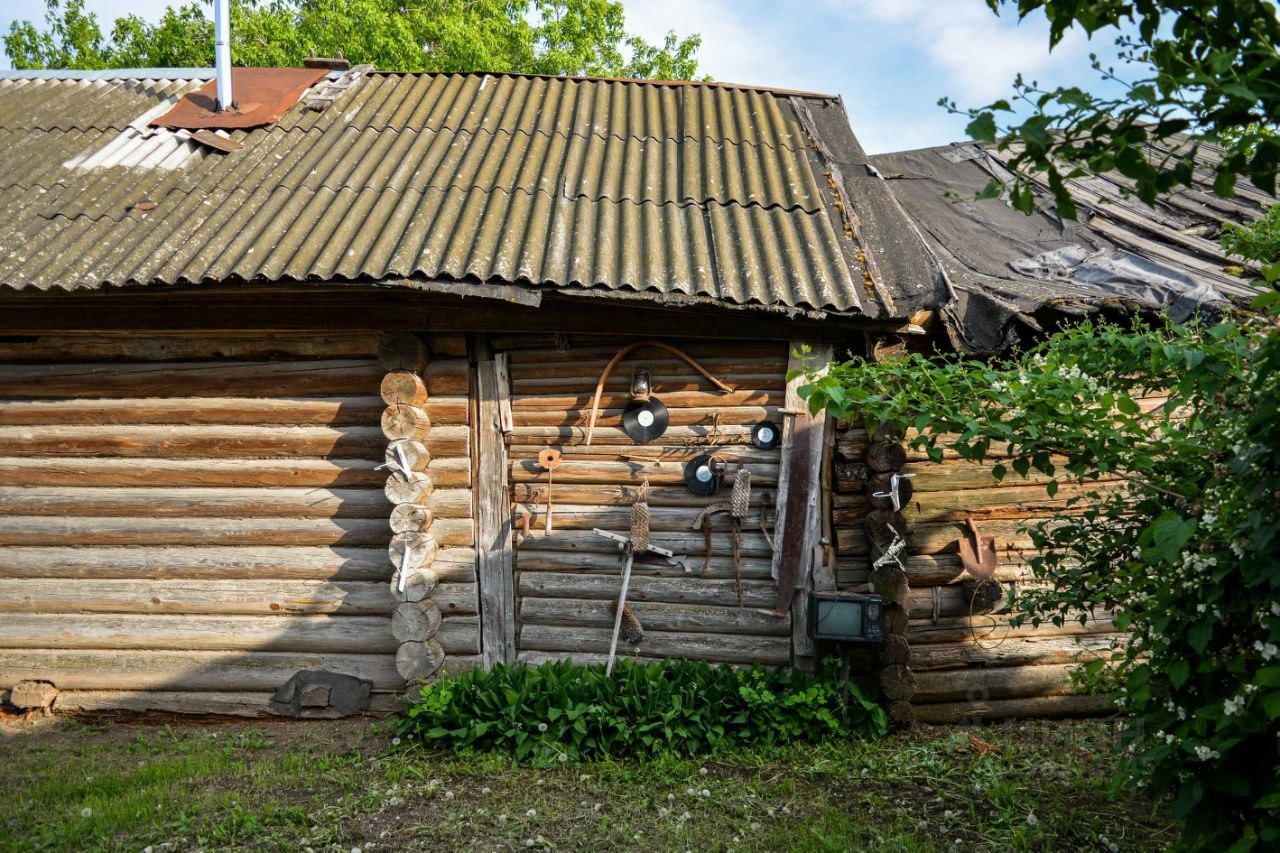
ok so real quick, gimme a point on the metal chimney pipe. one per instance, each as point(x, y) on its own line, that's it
point(222, 52)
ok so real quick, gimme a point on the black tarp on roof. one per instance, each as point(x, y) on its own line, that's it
point(1011, 274)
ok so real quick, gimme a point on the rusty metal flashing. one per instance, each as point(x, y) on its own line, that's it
point(263, 95)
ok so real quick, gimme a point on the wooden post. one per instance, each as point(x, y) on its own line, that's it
point(494, 560)
point(799, 522)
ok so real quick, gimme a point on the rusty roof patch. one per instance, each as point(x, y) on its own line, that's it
point(262, 96)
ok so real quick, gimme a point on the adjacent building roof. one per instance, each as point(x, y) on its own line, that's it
point(1012, 275)
point(730, 194)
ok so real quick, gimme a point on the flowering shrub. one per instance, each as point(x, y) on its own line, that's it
point(1173, 526)
point(565, 712)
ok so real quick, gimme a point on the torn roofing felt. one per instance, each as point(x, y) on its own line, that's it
point(1011, 272)
point(659, 190)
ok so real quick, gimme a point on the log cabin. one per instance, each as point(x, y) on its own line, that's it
point(277, 387)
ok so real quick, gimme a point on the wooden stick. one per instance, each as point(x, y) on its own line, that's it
point(622, 604)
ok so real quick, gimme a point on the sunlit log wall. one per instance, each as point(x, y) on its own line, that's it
point(186, 521)
point(566, 580)
point(964, 661)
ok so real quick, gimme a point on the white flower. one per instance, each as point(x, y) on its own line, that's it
point(532, 813)
point(948, 814)
point(356, 850)
point(486, 790)
point(395, 741)
point(663, 811)
point(1204, 753)
point(702, 770)
point(755, 826)
point(1275, 608)
point(542, 727)
point(1200, 608)
point(529, 842)
point(393, 802)
point(541, 782)
point(448, 795)
point(1233, 706)
point(1032, 820)
point(704, 793)
point(1268, 650)
point(86, 812)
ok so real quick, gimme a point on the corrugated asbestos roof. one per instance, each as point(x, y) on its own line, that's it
point(698, 190)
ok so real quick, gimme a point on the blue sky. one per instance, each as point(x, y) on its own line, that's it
point(891, 60)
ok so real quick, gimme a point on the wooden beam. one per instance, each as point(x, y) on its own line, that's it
point(799, 523)
point(495, 564)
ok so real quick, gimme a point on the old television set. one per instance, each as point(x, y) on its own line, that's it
point(846, 617)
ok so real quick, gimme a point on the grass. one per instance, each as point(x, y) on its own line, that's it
point(341, 785)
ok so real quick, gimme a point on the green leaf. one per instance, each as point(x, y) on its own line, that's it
point(982, 128)
point(1199, 635)
point(1170, 532)
point(1178, 672)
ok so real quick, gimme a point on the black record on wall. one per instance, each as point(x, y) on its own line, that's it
point(645, 420)
point(766, 435)
point(700, 475)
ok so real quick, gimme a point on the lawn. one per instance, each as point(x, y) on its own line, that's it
point(347, 784)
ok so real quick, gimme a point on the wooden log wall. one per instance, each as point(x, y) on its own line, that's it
point(959, 658)
point(188, 520)
point(566, 580)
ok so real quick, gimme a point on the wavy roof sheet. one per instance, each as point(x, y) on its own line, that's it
point(699, 190)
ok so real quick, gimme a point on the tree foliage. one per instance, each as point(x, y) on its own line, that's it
point(1173, 524)
point(1209, 69)
point(521, 36)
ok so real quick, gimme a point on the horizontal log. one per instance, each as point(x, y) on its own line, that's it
point(681, 436)
point(215, 597)
point(444, 346)
point(154, 346)
point(200, 502)
point(620, 382)
point(742, 415)
point(340, 473)
point(727, 648)
point(540, 347)
point(216, 441)
point(657, 472)
point(53, 530)
point(943, 537)
point(193, 379)
point(656, 617)
point(724, 367)
point(688, 590)
point(990, 629)
point(981, 685)
point(666, 519)
point(649, 453)
point(1012, 652)
point(599, 495)
point(85, 669)
point(447, 376)
point(721, 565)
point(455, 565)
point(754, 543)
point(1003, 709)
point(851, 444)
point(244, 704)
point(349, 634)
point(231, 411)
point(677, 400)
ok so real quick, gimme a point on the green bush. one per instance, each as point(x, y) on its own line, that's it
point(567, 712)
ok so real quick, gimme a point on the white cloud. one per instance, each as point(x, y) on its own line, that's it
point(734, 48)
point(976, 53)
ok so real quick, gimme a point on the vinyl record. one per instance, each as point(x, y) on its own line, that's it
point(766, 435)
point(645, 420)
point(700, 476)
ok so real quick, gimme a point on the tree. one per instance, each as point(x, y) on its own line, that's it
point(1177, 530)
point(521, 36)
point(1195, 75)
